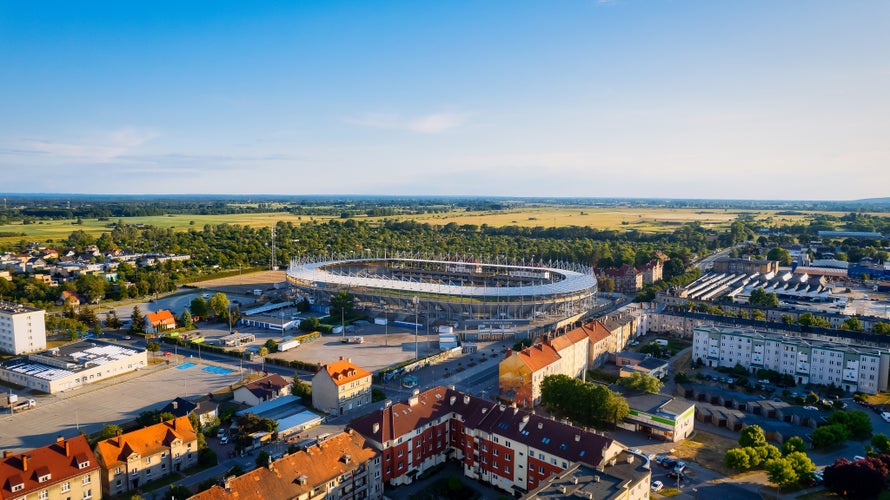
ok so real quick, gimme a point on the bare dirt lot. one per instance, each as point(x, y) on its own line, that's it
point(378, 350)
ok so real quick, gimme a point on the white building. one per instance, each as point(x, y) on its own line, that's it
point(72, 366)
point(852, 368)
point(22, 328)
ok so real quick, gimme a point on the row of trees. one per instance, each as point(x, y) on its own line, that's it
point(785, 468)
point(583, 403)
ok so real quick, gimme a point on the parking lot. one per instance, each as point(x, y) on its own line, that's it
point(118, 400)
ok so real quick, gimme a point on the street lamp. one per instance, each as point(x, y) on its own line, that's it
point(415, 325)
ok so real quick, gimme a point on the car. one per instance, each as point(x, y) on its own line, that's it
point(167, 354)
point(677, 475)
point(680, 467)
point(810, 408)
point(858, 458)
point(669, 463)
point(224, 439)
point(886, 416)
point(657, 486)
point(730, 381)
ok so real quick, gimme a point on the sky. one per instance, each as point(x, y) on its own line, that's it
point(560, 98)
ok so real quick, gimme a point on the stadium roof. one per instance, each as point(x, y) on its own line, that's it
point(572, 281)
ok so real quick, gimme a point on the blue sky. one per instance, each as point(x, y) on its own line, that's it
point(630, 98)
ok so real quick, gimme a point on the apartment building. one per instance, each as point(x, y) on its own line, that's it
point(22, 328)
point(65, 469)
point(341, 387)
point(628, 479)
point(852, 368)
point(341, 466)
point(504, 446)
point(135, 458)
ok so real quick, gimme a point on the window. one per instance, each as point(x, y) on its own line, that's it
point(148, 460)
point(43, 495)
point(88, 494)
point(86, 479)
point(66, 486)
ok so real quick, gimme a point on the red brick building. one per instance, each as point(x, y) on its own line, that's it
point(509, 448)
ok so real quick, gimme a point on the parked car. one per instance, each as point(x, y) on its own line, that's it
point(657, 486)
point(677, 475)
point(224, 439)
point(680, 467)
point(669, 463)
point(886, 416)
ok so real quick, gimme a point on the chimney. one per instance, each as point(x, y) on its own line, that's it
point(25, 459)
point(540, 425)
point(577, 438)
point(466, 399)
point(508, 353)
point(349, 360)
point(175, 405)
point(60, 439)
point(269, 464)
point(451, 400)
point(375, 428)
point(341, 358)
point(67, 449)
point(7, 453)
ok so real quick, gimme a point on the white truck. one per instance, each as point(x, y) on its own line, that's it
point(290, 344)
point(27, 404)
point(353, 340)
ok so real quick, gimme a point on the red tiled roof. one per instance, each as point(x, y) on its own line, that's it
point(148, 441)
point(538, 356)
point(163, 316)
point(267, 386)
point(316, 466)
point(59, 460)
point(343, 371)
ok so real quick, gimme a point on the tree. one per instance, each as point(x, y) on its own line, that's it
point(881, 328)
point(301, 389)
point(271, 346)
point(342, 303)
point(752, 436)
point(801, 464)
point(641, 382)
point(881, 443)
point(794, 444)
point(304, 306)
point(856, 422)
point(781, 255)
point(309, 324)
point(860, 479)
point(177, 491)
point(852, 323)
point(152, 347)
point(263, 458)
point(829, 435)
point(199, 307)
point(780, 472)
point(138, 321)
point(112, 321)
point(738, 459)
point(91, 286)
point(186, 319)
point(219, 304)
point(109, 431)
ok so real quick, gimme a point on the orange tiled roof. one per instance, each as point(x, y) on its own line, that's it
point(59, 460)
point(596, 331)
point(299, 473)
point(162, 316)
point(146, 442)
point(342, 372)
point(538, 356)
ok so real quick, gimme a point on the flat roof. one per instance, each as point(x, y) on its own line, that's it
point(66, 360)
point(13, 308)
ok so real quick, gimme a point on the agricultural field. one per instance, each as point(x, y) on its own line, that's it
point(619, 218)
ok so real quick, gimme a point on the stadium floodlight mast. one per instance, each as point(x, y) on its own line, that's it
point(415, 300)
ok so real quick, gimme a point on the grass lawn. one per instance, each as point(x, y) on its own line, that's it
point(708, 450)
point(881, 398)
point(669, 492)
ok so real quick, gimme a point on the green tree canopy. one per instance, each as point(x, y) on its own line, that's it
point(793, 444)
point(641, 382)
point(219, 304)
point(780, 472)
point(199, 307)
point(752, 436)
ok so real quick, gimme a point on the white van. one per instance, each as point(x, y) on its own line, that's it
point(886, 416)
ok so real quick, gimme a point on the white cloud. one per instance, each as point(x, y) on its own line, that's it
point(102, 147)
point(434, 123)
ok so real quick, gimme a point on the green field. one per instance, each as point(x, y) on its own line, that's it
point(641, 219)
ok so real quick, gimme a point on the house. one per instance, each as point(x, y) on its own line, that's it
point(341, 466)
point(652, 271)
point(65, 469)
point(68, 298)
point(160, 321)
point(504, 446)
point(521, 373)
point(341, 387)
point(630, 362)
point(204, 409)
point(139, 457)
point(264, 389)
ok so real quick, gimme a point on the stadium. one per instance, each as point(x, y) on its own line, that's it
point(468, 295)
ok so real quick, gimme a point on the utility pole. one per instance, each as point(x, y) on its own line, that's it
point(415, 326)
